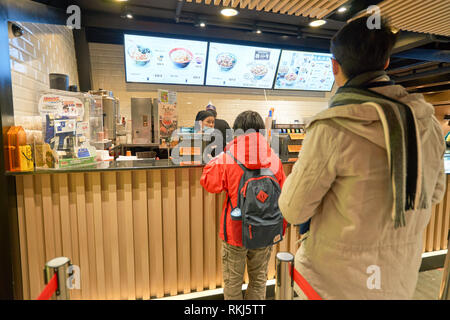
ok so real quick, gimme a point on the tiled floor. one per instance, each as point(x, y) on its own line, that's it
point(428, 285)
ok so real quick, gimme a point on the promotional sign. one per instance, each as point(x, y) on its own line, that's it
point(241, 66)
point(63, 106)
point(299, 70)
point(164, 60)
point(167, 110)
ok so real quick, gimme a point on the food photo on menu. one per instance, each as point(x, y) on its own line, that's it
point(299, 70)
point(164, 60)
point(232, 65)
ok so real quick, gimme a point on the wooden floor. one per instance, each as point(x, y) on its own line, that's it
point(428, 285)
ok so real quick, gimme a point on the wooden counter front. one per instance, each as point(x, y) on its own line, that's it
point(138, 234)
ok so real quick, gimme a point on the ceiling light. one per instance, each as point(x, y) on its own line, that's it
point(256, 29)
point(125, 13)
point(317, 23)
point(342, 9)
point(229, 12)
point(200, 22)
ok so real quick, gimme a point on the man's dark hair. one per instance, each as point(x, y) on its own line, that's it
point(249, 120)
point(359, 49)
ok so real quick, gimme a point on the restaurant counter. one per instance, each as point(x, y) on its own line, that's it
point(120, 166)
point(137, 229)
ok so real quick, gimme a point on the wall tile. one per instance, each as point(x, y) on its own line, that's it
point(41, 50)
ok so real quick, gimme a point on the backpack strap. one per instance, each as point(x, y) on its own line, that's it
point(237, 161)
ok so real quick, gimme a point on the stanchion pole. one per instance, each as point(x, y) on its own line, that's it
point(60, 266)
point(444, 292)
point(284, 289)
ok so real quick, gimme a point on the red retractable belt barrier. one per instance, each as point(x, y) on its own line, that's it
point(49, 289)
point(310, 293)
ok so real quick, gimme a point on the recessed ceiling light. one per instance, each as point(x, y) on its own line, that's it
point(317, 23)
point(125, 13)
point(342, 9)
point(202, 24)
point(229, 12)
point(258, 31)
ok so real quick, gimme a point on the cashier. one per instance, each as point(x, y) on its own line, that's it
point(204, 121)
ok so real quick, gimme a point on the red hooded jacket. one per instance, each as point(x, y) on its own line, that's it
point(222, 173)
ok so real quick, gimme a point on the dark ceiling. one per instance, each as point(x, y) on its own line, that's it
point(420, 62)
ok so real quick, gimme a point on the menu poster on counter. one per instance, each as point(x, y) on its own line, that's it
point(241, 66)
point(164, 60)
point(304, 71)
point(168, 120)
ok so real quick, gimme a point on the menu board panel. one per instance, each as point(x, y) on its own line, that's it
point(165, 60)
point(241, 66)
point(300, 70)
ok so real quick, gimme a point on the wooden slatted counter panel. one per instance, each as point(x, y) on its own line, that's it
point(138, 234)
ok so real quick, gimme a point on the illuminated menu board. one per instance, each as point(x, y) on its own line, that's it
point(164, 60)
point(241, 66)
point(299, 70)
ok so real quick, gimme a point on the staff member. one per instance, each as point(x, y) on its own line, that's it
point(222, 126)
point(204, 120)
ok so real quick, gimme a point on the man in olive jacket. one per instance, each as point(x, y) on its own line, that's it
point(370, 169)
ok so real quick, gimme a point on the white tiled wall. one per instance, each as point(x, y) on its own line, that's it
point(42, 49)
point(108, 72)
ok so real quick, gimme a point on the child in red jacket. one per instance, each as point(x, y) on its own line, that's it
point(223, 173)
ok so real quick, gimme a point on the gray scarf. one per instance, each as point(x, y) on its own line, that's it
point(402, 141)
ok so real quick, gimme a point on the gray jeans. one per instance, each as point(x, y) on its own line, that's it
point(233, 265)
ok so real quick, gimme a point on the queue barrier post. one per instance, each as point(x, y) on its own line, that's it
point(284, 288)
point(61, 267)
point(444, 292)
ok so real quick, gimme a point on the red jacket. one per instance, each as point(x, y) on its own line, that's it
point(222, 173)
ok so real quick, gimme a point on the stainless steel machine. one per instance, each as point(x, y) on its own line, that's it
point(145, 120)
point(111, 113)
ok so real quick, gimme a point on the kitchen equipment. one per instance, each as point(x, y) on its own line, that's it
point(287, 140)
point(145, 120)
point(111, 110)
point(59, 81)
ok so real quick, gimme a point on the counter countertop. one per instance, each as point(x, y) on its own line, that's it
point(142, 165)
point(116, 166)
